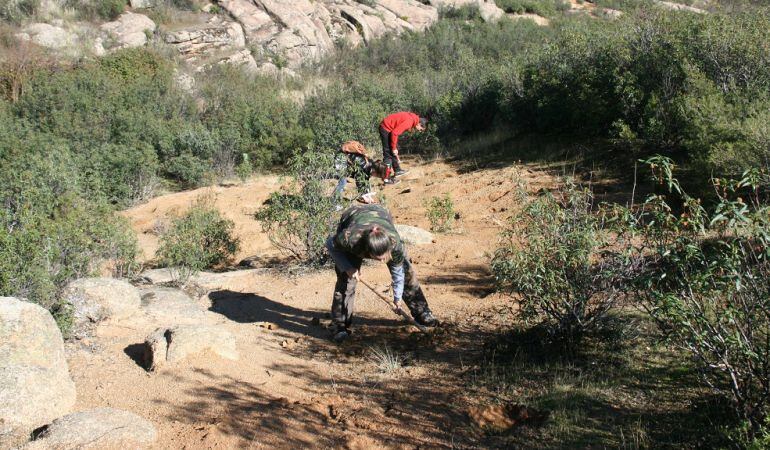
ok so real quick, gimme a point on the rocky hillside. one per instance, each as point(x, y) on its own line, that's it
point(263, 35)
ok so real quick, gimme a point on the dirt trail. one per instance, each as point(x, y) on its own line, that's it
point(292, 388)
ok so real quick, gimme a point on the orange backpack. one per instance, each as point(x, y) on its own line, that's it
point(354, 147)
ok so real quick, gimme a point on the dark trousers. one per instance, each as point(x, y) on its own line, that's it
point(343, 302)
point(387, 154)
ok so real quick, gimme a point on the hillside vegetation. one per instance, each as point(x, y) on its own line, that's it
point(79, 141)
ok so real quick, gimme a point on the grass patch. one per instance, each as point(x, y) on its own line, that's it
point(607, 395)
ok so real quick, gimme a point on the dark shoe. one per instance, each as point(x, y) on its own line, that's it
point(400, 172)
point(426, 319)
point(390, 181)
point(341, 336)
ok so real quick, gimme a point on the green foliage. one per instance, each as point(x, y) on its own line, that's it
point(16, 11)
point(566, 262)
point(97, 9)
point(707, 284)
point(545, 8)
point(199, 239)
point(298, 220)
point(441, 213)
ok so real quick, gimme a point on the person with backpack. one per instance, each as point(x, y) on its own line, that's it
point(391, 128)
point(352, 161)
point(367, 232)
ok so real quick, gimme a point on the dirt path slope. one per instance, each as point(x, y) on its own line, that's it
point(292, 388)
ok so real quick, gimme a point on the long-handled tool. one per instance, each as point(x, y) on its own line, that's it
point(393, 308)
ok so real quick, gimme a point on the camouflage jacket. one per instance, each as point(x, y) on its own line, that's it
point(360, 218)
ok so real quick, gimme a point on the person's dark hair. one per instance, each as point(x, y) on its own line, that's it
point(377, 242)
point(379, 169)
point(423, 122)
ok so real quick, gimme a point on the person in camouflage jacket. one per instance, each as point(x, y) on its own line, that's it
point(352, 161)
point(367, 231)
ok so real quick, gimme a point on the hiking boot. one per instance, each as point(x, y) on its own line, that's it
point(426, 319)
point(341, 336)
point(390, 181)
point(400, 172)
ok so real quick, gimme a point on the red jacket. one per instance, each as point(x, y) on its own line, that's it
point(397, 124)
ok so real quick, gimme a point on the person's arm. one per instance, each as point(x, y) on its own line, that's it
point(397, 276)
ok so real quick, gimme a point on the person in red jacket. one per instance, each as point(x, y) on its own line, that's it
point(391, 128)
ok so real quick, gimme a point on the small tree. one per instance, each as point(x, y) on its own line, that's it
point(299, 218)
point(565, 261)
point(198, 240)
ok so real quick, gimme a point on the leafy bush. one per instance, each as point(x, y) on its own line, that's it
point(707, 284)
point(441, 213)
point(541, 7)
point(566, 262)
point(48, 234)
point(97, 9)
point(299, 219)
point(15, 11)
point(199, 239)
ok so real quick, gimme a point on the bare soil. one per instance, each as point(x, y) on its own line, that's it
point(292, 387)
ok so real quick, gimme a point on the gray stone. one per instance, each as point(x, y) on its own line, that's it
point(414, 235)
point(48, 36)
point(35, 385)
point(101, 428)
point(166, 306)
point(679, 7)
point(171, 345)
point(98, 299)
point(129, 30)
point(142, 3)
point(207, 41)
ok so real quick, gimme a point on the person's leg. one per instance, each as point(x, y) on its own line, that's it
point(340, 187)
point(414, 297)
point(387, 154)
point(343, 302)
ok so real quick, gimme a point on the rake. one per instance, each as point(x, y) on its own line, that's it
point(393, 308)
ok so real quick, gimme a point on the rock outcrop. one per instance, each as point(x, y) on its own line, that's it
point(265, 36)
point(171, 345)
point(101, 428)
point(97, 299)
point(129, 30)
point(166, 306)
point(35, 385)
point(48, 36)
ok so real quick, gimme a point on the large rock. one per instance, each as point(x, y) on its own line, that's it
point(97, 299)
point(101, 428)
point(129, 30)
point(35, 385)
point(209, 40)
point(419, 15)
point(168, 306)
point(679, 7)
point(49, 36)
point(414, 235)
point(488, 10)
point(171, 345)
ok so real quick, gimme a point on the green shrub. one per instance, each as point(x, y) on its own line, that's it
point(199, 239)
point(299, 220)
point(545, 8)
point(441, 213)
point(566, 262)
point(16, 11)
point(97, 9)
point(707, 284)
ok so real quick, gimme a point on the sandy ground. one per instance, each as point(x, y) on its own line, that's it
point(292, 387)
